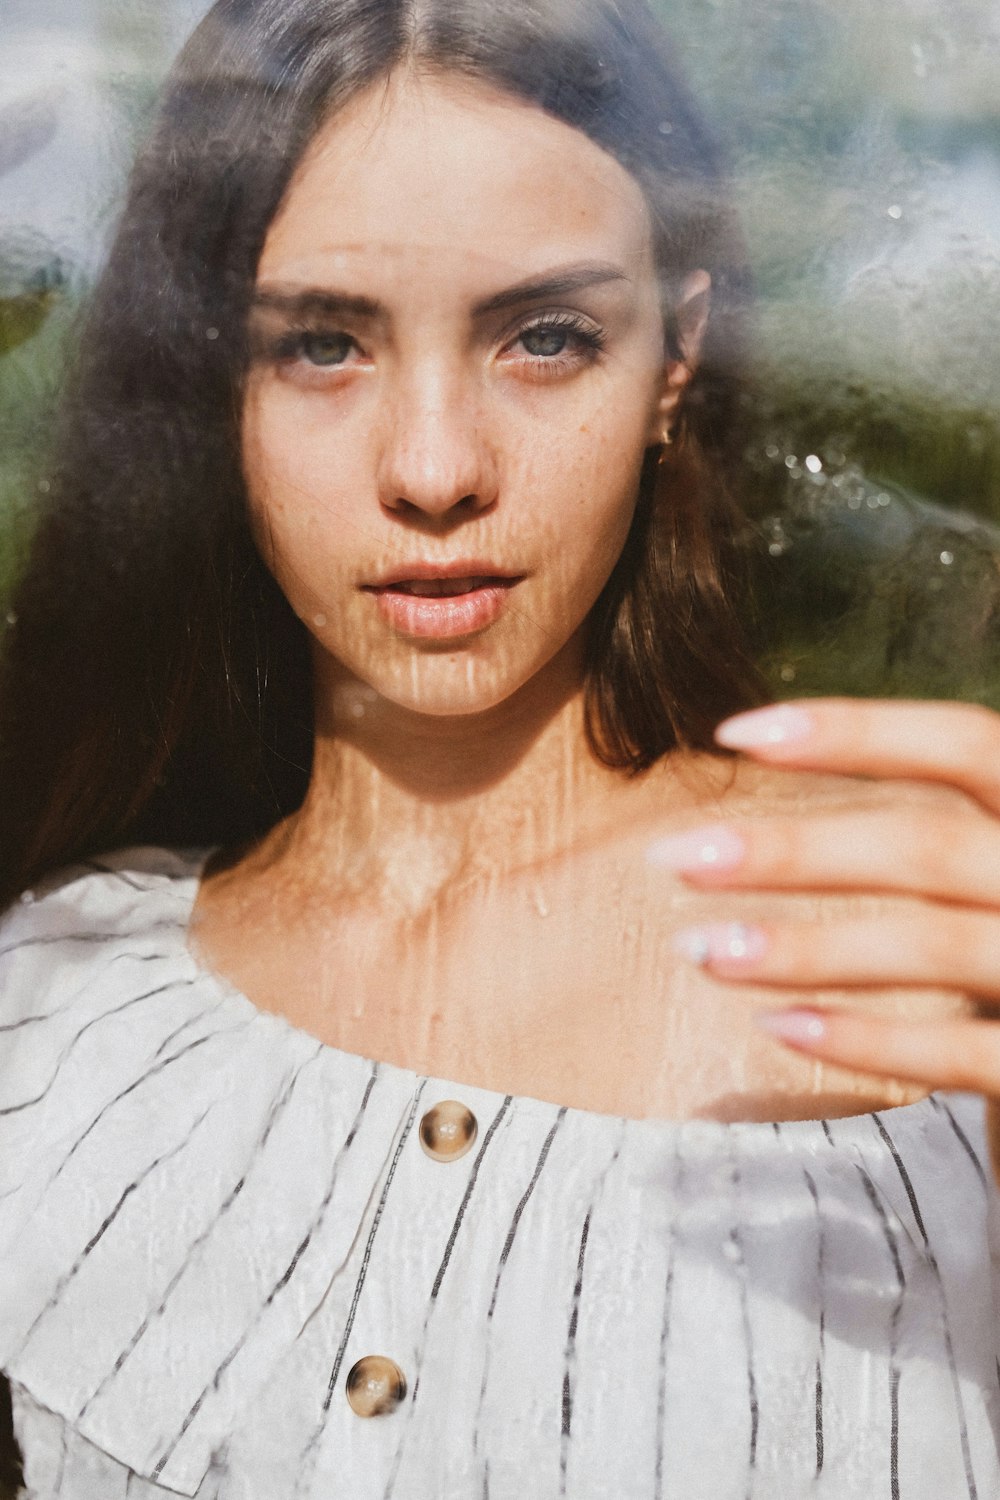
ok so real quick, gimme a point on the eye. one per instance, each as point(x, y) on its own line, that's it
point(557, 342)
point(325, 349)
point(545, 340)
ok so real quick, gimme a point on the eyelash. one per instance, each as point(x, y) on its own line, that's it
point(590, 341)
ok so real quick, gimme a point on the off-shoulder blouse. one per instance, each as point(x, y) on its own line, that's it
point(238, 1263)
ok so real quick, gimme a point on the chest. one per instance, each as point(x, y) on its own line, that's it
point(561, 983)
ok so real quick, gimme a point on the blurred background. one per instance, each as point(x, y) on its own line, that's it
point(865, 144)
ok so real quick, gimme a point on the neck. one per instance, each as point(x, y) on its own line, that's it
point(403, 807)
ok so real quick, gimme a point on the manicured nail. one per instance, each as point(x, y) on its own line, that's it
point(782, 724)
point(698, 849)
point(721, 942)
point(799, 1028)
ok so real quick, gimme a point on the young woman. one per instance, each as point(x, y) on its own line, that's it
point(374, 1121)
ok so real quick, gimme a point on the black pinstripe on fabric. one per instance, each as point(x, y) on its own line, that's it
point(84, 990)
point(436, 1287)
point(279, 1285)
point(827, 1131)
point(192, 1020)
point(14, 1109)
point(872, 1194)
point(308, 1455)
point(470, 1188)
point(106, 1224)
point(152, 883)
point(522, 1204)
point(739, 1260)
point(278, 1107)
point(668, 1297)
point(904, 1177)
point(567, 1385)
point(331, 1385)
point(501, 1265)
point(941, 1105)
point(57, 1488)
point(820, 1285)
point(945, 1325)
point(567, 1390)
point(137, 1083)
point(49, 939)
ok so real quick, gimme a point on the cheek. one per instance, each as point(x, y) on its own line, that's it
point(592, 478)
point(292, 481)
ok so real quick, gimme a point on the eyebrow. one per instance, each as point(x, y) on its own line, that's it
point(327, 302)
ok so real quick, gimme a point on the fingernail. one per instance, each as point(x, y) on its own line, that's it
point(721, 942)
point(698, 849)
point(800, 1028)
point(782, 724)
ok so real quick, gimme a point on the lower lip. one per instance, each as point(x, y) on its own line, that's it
point(444, 617)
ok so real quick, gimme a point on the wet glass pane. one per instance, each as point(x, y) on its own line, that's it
point(865, 148)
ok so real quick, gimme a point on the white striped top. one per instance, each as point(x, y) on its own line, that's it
point(207, 1217)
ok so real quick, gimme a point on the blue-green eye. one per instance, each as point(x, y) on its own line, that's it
point(326, 348)
point(545, 342)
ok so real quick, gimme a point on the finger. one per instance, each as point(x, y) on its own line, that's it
point(958, 743)
point(948, 856)
point(921, 946)
point(961, 1055)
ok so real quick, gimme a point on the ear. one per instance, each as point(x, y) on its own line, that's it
point(691, 320)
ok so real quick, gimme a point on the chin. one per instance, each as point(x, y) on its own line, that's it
point(453, 685)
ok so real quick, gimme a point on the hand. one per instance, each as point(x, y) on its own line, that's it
point(943, 859)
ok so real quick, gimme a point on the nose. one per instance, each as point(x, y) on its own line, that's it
point(436, 461)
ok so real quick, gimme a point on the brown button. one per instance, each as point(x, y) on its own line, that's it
point(375, 1386)
point(448, 1130)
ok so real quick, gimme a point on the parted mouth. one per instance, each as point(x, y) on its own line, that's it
point(439, 588)
point(443, 580)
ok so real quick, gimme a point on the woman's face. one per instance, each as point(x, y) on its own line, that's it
point(458, 365)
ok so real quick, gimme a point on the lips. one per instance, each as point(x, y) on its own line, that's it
point(438, 602)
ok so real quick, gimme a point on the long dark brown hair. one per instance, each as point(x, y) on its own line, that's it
point(154, 685)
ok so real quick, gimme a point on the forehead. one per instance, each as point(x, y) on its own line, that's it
point(456, 177)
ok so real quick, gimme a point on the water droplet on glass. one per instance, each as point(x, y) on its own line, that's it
point(791, 461)
point(787, 673)
point(212, 333)
point(854, 502)
point(44, 486)
point(772, 451)
point(884, 499)
point(319, 621)
point(11, 617)
point(665, 127)
point(357, 710)
point(947, 558)
point(814, 463)
point(776, 548)
point(27, 898)
point(872, 502)
point(894, 211)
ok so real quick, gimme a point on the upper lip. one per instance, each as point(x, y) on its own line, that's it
point(415, 572)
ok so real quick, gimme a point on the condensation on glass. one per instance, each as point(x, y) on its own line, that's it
point(865, 149)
